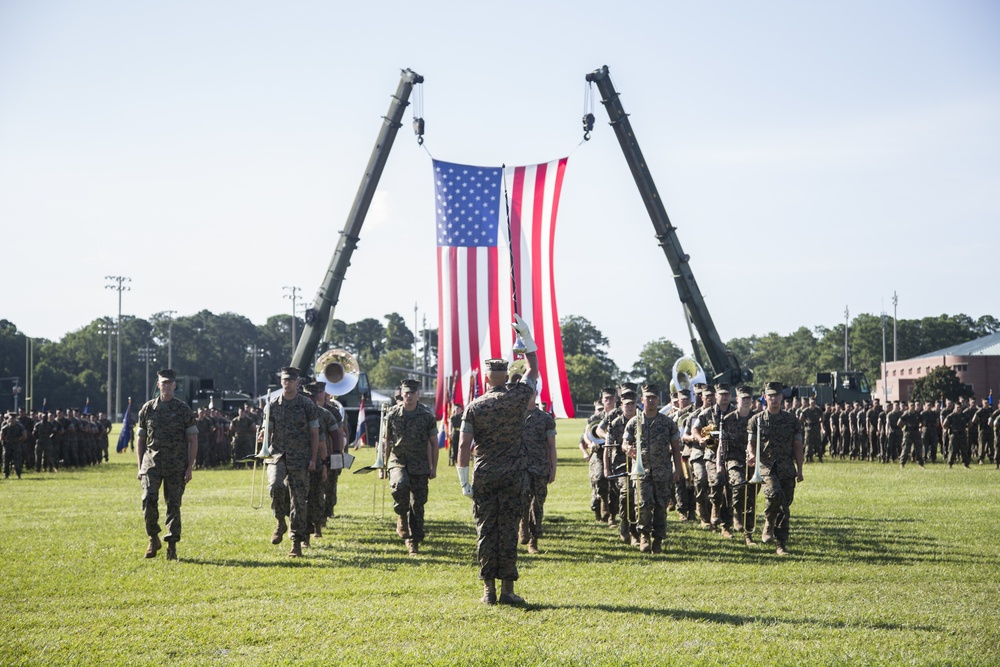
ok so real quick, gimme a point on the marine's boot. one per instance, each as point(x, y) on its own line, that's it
point(781, 550)
point(533, 545)
point(318, 529)
point(657, 545)
point(507, 595)
point(725, 533)
point(296, 551)
point(644, 545)
point(522, 533)
point(489, 591)
point(412, 548)
point(767, 534)
point(401, 527)
point(279, 531)
point(737, 524)
point(154, 546)
point(171, 551)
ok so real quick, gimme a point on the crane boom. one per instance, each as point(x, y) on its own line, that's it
point(318, 317)
point(724, 362)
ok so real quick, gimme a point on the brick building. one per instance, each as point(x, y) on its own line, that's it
point(977, 364)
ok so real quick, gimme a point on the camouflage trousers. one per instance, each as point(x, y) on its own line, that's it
point(409, 495)
point(958, 446)
point(709, 490)
point(13, 457)
point(743, 516)
point(599, 489)
point(653, 497)
point(330, 492)
point(624, 488)
point(985, 445)
point(928, 438)
point(779, 492)
point(173, 492)
point(538, 489)
point(893, 446)
point(289, 489)
point(497, 506)
point(316, 506)
point(813, 443)
point(911, 449)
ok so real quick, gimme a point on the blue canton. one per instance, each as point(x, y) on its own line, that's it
point(468, 199)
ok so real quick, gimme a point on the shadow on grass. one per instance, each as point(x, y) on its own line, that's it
point(729, 619)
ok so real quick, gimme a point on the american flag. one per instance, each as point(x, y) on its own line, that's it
point(475, 297)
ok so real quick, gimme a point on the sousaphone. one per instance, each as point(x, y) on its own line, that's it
point(339, 369)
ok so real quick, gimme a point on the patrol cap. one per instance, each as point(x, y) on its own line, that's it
point(167, 374)
point(744, 391)
point(410, 384)
point(628, 386)
point(496, 365)
point(628, 396)
point(722, 388)
point(608, 391)
point(772, 388)
point(314, 388)
point(699, 387)
point(290, 372)
point(651, 388)
point(708, 389)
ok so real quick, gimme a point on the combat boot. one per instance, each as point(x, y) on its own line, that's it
point(522, 533)
point(737, 524)
point(171, 551)
point(781, 550)
point(747, 540)
point(767, 534)
point(412, 548)
point(489, 591)
point(279, 531)
point(507, 595)
point(657, 545)
point(533, 545)
point(597, 514)
point(154, 546)
point(644, 545)
point(401, 528)
point(724, 532)
point(318, 530)
point(623, 533)
point(296, 551)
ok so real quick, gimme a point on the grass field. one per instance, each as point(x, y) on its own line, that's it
point(888, 567)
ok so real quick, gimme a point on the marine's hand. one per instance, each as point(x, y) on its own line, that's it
point(521, 327)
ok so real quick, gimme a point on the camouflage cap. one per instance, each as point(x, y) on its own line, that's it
point(653, 389)
point(410, 384)
point(708, 389)
point(699, 387)
point(608, 391)
point(628, 396)
point(314, 388)
point(743, 391)
point(496, 365)
point(628, 386)
point(166, 374)
point(290, 372)
point(722, 388)
point(772, 388)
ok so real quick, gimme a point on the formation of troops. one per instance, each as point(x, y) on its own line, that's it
point(53, 440)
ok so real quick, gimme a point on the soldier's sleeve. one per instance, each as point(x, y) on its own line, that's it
point(629, 436)
point(469, 420)
point(797, 435)
point(550, 427)
point(312, 414)
point(190, 427)
point(432, 429)
point(141, 421)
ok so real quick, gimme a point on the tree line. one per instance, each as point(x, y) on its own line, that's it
point(221, 347)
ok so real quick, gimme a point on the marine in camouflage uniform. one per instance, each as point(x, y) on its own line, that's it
point(909, 422)
point(872, 415)
point(600, 500)
point(46, 455)
point(982, 418)
point(454, 433)
point(411, 437)
point(657, 437)
point(336, 444)
point(844, 450)
point(929, 423)
point(811, 418)
point(167, 447)
point(495, 421)
point(12, 436)
point(539, 437)
point(206, 457)
point(243, 428)
point(895, 433)
point(616, 465)
point(715, 479)
point(294, 429)
point(956, 425)
point(317, 478)
point(684, 490)
point(734, 459)
point(780, 465)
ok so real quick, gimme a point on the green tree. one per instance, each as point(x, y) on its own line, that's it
point(942, 382)
point(385, 374)
point(656, 363)
point(397, 335)
point(366, 338)
point(588, 366)
point(586, 376)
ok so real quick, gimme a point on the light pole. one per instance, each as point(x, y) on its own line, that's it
point(107, 326)
point(895, 302)
point(147, 354)
point(118, 284)
point(256, 353)
point(294, 296)
point(847, 327)
point(169, 314)
point(885, 379)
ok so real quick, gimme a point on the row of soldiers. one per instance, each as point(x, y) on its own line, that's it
point(901, 431)
point(45, 440)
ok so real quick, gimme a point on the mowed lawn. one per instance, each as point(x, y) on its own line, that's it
point(888, 567)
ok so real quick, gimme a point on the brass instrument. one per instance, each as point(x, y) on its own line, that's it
point(752, 485)
point(339, 369)
point(262, 456)
point(685, 374)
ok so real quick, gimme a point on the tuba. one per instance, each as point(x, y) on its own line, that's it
point(686, 373)
point(339, 369)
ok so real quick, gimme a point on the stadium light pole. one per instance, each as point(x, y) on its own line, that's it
point(170, 336)
point(256, 353)
point(117, 283)
point(895, 302)
point(294, 296)
point(147, 354)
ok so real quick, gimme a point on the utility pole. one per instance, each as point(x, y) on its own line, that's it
point(107, 326)
point(118, 284)
point(895, 301)
point(147, 354)
point(294, 296)
point(847, 327)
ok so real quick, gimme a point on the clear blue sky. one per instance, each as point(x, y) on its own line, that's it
point(812, 155)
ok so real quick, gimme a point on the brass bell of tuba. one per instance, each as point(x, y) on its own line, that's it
point(339, 369)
